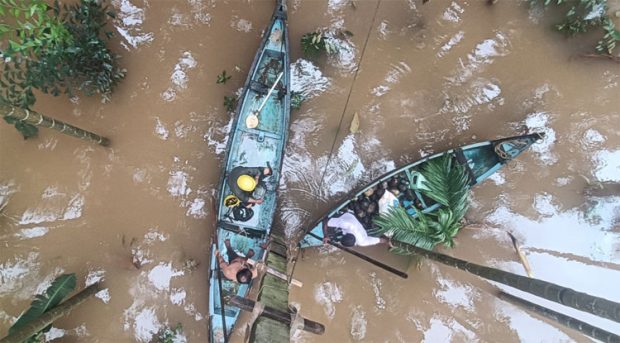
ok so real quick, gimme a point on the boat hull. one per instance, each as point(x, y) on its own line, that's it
point(481, 159)
point(252, 147)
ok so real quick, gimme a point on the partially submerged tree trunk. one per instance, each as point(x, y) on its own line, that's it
point(550, 291)
point(576, 324)
point(37, 119)
point(50, 316)
point(603, 189)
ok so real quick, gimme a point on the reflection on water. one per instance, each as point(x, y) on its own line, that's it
point(137, 215)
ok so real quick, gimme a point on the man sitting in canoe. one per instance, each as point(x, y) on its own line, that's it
point(246, 183)
point(353, 230)
point(237, 268)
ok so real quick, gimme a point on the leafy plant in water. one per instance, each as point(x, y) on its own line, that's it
point(448, 184)
point(313, 43)
point(62, 286)
point(584, 15)
point(230, 102)
point(296, 100)
point(169, 335)
point(222, 78)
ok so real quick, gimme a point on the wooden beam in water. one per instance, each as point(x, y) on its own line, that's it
point(275, 314)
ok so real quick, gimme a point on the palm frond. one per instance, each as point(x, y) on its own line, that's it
point(61, 287)
point(447, 224)
point(417, 231)
point(447, 183)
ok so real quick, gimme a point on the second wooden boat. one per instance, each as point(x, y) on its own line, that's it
point(480, 160)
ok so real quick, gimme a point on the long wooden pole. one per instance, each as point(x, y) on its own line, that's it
point(365, 258)
point(30, 329)
point(563, 295)
point(217, 267)
point(37, 119)
point(576, 324)
point(275, 314)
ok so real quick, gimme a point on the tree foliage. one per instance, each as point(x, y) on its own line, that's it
point(54, 49)
point(582, 16)
point(61, 287)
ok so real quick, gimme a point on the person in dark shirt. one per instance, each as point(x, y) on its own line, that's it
point(246, 183)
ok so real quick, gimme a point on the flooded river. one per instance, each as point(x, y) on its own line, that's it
point(421, 79)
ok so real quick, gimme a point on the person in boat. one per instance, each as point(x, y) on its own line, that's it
point(246, 183)
point(237, 267)
point(353, 231)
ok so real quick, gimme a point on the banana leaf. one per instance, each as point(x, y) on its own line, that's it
point(61, 287)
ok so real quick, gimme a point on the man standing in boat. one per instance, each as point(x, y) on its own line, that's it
point(237, 267)
point(353, 231)
point(246, 183)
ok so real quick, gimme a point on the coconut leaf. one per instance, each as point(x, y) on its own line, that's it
point(447, 224)
point(62, 286)
point(447, 183)
point(418, 231)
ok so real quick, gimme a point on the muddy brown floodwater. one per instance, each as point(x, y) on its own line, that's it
point(138, 215)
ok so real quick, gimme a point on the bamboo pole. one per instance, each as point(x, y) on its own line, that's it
point(570, 322)
point(47, 318)
point(364, 257)
point(581, 301)
point(37, 119)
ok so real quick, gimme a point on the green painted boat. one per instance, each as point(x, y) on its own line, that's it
point(266, 91)
point(481, 160)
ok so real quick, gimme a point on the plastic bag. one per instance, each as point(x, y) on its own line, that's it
point(387, 201)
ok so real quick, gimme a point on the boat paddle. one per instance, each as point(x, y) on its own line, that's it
point(364, 257)
point(252, 120)
point(218, 271)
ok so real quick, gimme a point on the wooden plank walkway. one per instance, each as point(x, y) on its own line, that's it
point(274, 293)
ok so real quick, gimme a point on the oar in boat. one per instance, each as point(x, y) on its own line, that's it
point(217, 269)
point(364, 257)
point(252, 120)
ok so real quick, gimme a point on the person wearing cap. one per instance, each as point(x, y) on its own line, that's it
point(246, 183)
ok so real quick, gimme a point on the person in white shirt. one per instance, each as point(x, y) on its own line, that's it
point(353, 230)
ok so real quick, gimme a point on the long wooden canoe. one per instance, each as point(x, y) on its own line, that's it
point(252, 147)
point(481, 160)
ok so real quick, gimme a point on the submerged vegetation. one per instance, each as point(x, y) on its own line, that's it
point(314, 43)
point(584, 15)
point(445, 182)
point(55, 49)
point(296, 100)
point(222, 78)
point(169, 334)
point(230, 102)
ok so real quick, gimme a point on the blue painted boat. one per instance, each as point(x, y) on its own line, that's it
point(481, 160)
point(252, 147)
